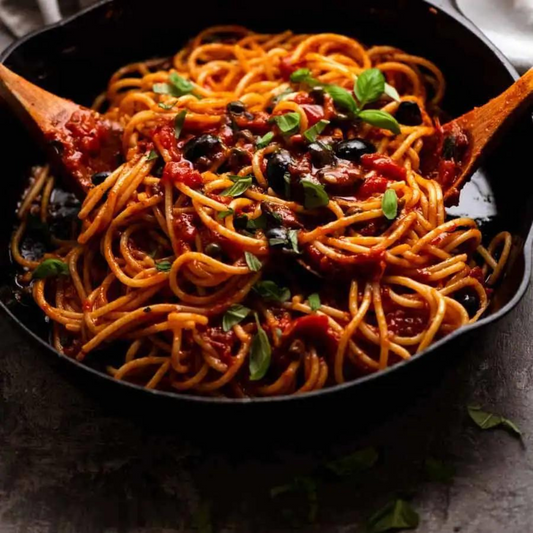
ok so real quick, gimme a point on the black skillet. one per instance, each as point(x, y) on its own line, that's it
point(75, 58)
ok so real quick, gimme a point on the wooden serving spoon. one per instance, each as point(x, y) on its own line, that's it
point(462, 144)
point(78, 140)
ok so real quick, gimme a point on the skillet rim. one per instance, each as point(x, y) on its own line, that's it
point(450, 8)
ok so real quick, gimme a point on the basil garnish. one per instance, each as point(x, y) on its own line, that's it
point(293, 239)
point(179, 121)
point(240, 186)
point(356, 462)
point(302, 484)
point(486, 420)
point(269, 290)
point(380, 119)
point(342, 97)
point(301, 75)
point(314, 131)
point(438, 471)
point(369, 87)
point(177, 87)
point(152, 155)
point(253, 263)
point(288, 123)
point(265, 140)
point(223, 214)
point(163, 266)
point(389, 204)
point(260, 353)
point(395, 515)
point(314, 302)
point(233, 316)
point(314, 194)
point(51, 268)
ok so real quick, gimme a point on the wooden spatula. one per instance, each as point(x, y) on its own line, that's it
point(79, 141)
point(466, 140)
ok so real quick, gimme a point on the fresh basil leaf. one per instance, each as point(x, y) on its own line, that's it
point(167, 107)
point(369, 87)
point(176, 87)
point(265, 140)
point(314, 302)
point(253, 263)
point(391, 92)
point(51, 268)
point(300, 75)
point(380, 119)
point(240, 186)
point(201, 519)
point(256, 223)
point(281, 96)
point(314, 194)
point(293, 239)
point(395, 515)
point(342, 97)
point(486, 420)
point(389, 204)
point(269, 290)
point(221, 215)
point(356, 462)
point(233, 316)
point(179, 121)
point(306, 485)
point(260, 353)
point(438, 471)
point(314, 131)
point(288, 123)
point(163, 266)
point(152, 155)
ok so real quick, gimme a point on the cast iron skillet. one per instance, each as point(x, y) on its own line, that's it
point(76, 57)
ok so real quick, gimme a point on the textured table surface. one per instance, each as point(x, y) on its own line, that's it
point(69, 465)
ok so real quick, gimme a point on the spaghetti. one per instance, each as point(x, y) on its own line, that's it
point(271, 231)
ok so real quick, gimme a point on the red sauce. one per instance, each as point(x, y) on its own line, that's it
point(182, 172)
point(312, 328)
point(222, 342)
point(185, 228)
point(384, 165)
point(372, 185)
point(287, 67)
point(314, 113)
point(407, 322)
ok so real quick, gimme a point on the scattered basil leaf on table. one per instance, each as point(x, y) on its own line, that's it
point(313, 132)
point(270, 290)
point(314, 194)
point(486, 420)
point(221, 215)
point(395, 515)
point(352, 464)
point(264, 141)
point(253, 263)
point(439, 471)
point(163, 266)
point(179, 121)
point(369, 87)
point(233, 316)
point(240, 186)
point(389, 204)
point(288, 123)
point(51, 268)
point(152, 155)
point(260, 353)
point(380, 119)
point(306, 485)
point(314, 302)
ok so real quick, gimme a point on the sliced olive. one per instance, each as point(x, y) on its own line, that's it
point(213, 249)
point(205, 145)
point(353, 149)
point(469, 300)
point(100, 177)
point(409, 114)
point(321, 154)
point(236, 108)
point(277, 167)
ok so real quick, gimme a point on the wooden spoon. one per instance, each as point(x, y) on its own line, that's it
point(461, 145)
point(79, 141)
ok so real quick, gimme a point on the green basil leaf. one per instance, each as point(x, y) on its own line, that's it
point(389, 204)
point(369, 86)
point(380, 119)
point(51, 268)
point(391, 92)
point(293, 239)
point(306, 485)
point(356, 462)
point(167, 107)
point(253, 263)
point(221, 215)
point(201, 519)
point(314, 131)
point(395, 515)
point(256, 223)
point(486, 420)
point(300, 75)
point(260, 353)
point(152, 155)
point(269, 290)
point(233, 316)
point(163, 266)
point(314, 194)
point(240, 186)
point(179, 121)
point(264, 141)
point(314, 302)
point(288, 123)
point(438, 471)
point(342, 97)
point(177, 87)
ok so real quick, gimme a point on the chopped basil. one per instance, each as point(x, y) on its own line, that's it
point(356, 462)
point(369, 87)
point(342, 97)
point(163, 266)
point(314, 302)
point(51, 268)
point(152, 155)
point(176, 87)
point(179, 121)
point(265, 140)
point(201, 519)
point(314, 131)
point(395, 515)
point(486, 420)
point(389, 204)
point(293, 239)
point(167, 107)
point(391, 92)
point(233, 316)
point(438, 471)
point(253, 263)
point(256, 223)
point(306, 485)
point(314, 194)
point(223, 214)
point(300, 75)
point(288, 123)
point(240, 186)
point(380, 119)
point(269, 290)
point(260, 353)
